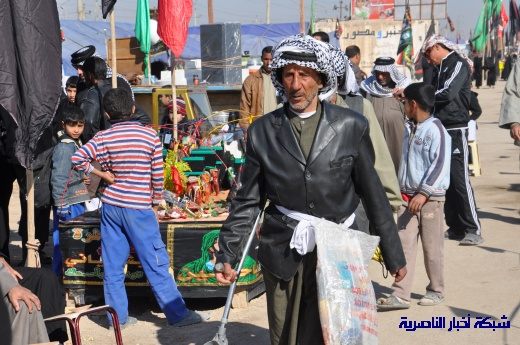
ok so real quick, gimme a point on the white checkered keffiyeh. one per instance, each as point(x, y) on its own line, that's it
point(308, 52)
point(372, 86)
point(347, 84)
point(438, 39)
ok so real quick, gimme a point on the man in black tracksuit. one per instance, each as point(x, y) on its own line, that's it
point(452, 101)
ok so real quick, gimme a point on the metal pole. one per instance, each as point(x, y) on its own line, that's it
point(302, 16)
point(210, 12)
point(81, 10)
point(268, 12)
point(149, 66)
point(195, 15)
point(340, 10)
point(113, 45)
point(174, 101)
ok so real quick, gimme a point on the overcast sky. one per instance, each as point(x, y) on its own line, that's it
point(464, 13)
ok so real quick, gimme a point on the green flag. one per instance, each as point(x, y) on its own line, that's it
point(490, 9)
point(142, 30)
point(312, 24)
point(405, 48)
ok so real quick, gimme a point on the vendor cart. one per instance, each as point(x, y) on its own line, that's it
point(190, 230)
point(190, 245)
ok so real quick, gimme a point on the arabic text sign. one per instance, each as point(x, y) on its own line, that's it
point(455, 323)
point(375, 38)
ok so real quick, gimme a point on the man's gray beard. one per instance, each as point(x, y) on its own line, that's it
point(301, 109)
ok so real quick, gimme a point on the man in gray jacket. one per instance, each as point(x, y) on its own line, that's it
point(510, 108)
point(21, 320)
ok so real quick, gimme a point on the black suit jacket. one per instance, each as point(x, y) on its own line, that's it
point(339, 169)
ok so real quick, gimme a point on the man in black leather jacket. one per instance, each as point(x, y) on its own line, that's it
point(90, 100)
point(314, 158)
point(78, 59)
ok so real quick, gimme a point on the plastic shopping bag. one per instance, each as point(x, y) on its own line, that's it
point(346, 297)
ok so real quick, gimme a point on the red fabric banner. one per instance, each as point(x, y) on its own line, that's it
point(503, 21)
point(173, 20)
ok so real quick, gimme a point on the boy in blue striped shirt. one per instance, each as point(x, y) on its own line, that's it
point(424, 177)
point(130, 155)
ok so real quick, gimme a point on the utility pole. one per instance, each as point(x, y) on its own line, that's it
point(210, 11)
point(268, 13)
point(81, 10)
point(302, 16)
point(342, 7)
point(195, 14)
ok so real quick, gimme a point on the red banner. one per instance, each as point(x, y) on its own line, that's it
point(173, 21)
point(503, 21)
point(372, 9)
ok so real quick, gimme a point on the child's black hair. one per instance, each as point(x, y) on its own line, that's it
point(423, 94)
point(72, 82)
point(118, 104)
point(267, 50)
point(72, 114)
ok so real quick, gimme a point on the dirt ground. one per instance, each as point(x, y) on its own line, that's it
point(482, 281)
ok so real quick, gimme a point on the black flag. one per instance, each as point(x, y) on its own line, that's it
point(107, 6)
point(514, 21)
point(30, 74)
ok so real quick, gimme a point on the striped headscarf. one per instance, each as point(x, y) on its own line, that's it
point(305, 51)
point(438, 39)
point(345, 75)
point(384, 64)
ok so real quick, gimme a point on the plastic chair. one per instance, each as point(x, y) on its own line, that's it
point(474, 165)
point(73, 319)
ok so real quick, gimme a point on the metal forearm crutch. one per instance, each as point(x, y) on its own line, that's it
point(220, 338)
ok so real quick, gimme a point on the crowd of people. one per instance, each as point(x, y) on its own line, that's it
point(310, 163)
point(323, 140)
point(95, 133)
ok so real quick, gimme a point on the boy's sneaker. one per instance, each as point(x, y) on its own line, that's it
point(392, 303)
point(192, 318)
point(129, 322)
point(471, 240)
point(431, 298)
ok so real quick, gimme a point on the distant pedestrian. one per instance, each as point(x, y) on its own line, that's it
point(380, 88)
point(258, 95)
point(477, 70)
point(508, 66)
point(321, 36)
point(354, 55)
point(491, 68)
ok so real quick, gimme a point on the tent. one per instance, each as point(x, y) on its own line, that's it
point(81, 33)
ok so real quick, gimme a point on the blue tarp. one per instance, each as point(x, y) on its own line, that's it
point(81, 33)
